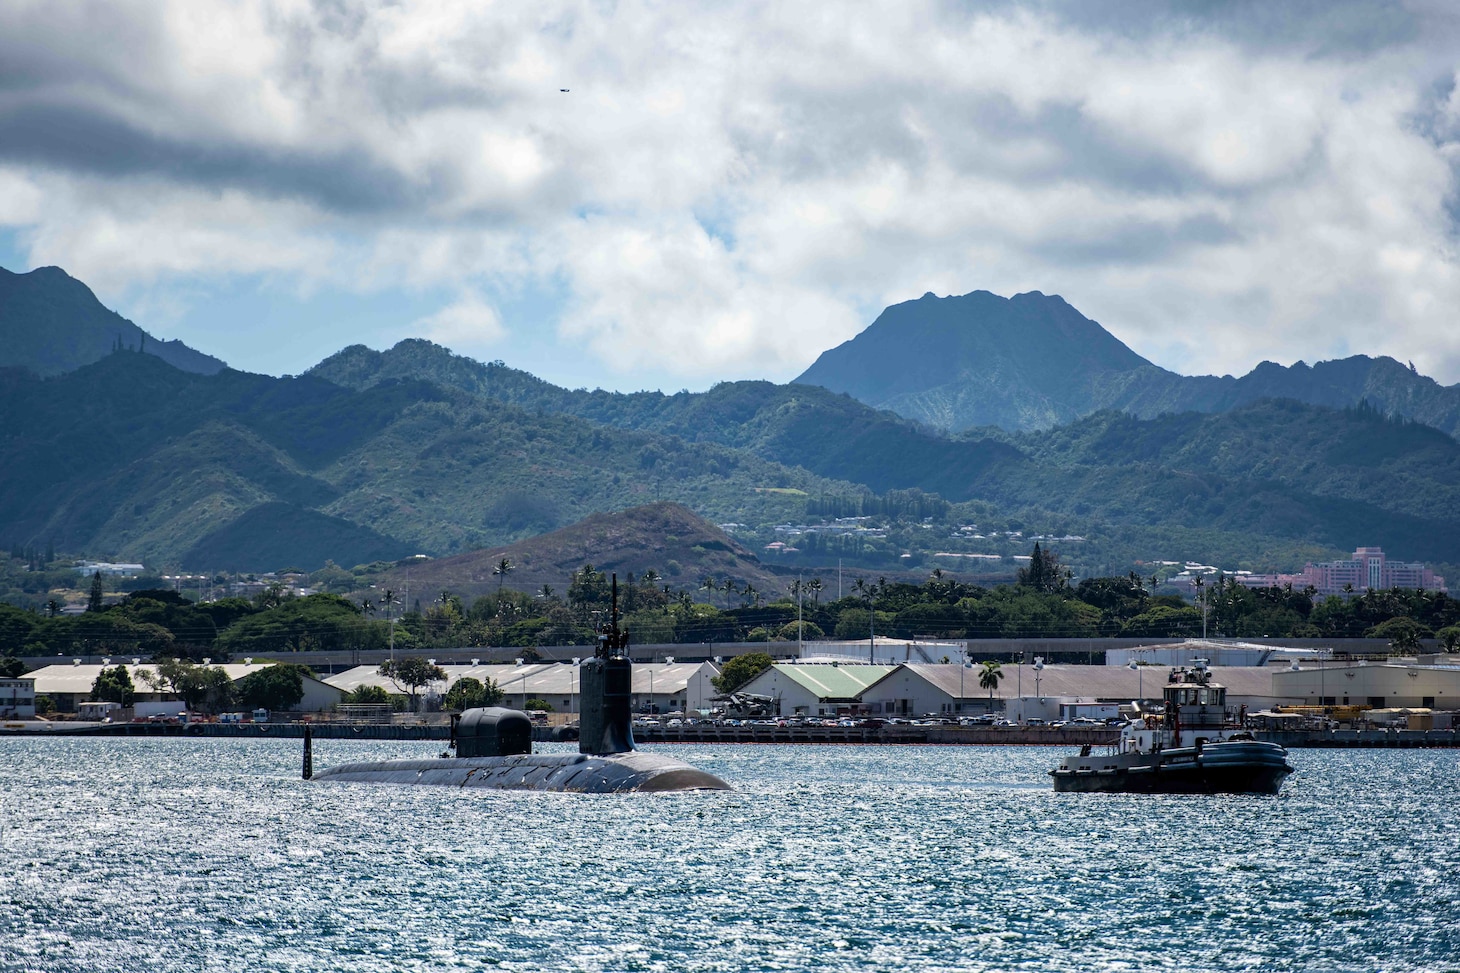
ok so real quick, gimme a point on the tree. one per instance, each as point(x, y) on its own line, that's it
point(114, 685)
point(366, 694)
point(1403, 633)
point(540, 705)
point(741, 670)
point(469, 693)
point(206, 688)
point(1164, 621)
point(588, 587)
point(12, 668)
point(1044, 573)
point(1449, 637)
point(94, 602)
point(501, 570)
point(411, 674)
point(988, 678)
point(272, 596)
point(276, 687)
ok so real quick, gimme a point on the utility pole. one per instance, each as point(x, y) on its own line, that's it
point(872, 624)
point(1200, 586)
point(800, 640)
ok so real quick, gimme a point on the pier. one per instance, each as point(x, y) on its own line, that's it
point(790, 733)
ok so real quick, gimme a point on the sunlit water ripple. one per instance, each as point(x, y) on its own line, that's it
point(189, 854)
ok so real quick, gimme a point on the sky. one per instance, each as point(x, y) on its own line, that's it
point(724, 191)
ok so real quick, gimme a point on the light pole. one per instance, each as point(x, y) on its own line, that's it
point(1200, 586)
point(573, 685)
point(1140, 689)
point(390, 601)
point(1038, 670)
point(962, 669)
point(872, 626)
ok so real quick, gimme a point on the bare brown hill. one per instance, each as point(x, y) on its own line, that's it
point(666, 537)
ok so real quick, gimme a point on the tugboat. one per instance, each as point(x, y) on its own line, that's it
point(1191, 749)
point(494, 745)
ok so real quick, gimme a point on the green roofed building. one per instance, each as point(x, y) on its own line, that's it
point(817, 689)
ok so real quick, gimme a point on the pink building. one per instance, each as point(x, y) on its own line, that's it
point(1368, 568)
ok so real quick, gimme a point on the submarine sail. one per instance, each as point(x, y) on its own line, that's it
point(494, 745)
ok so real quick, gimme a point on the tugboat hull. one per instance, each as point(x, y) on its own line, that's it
point(1243, 767)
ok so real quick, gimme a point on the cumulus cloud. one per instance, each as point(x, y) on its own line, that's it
point(468, 324)
point(731, 191)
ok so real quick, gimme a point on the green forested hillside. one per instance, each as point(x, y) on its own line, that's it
point(1274, 470)
point(829, 434)
point(52, 323)
point(375, 455)
point(134, 457)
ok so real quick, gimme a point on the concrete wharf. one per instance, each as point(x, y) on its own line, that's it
point(710, 733)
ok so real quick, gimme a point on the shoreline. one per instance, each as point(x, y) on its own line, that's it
point(710, 733)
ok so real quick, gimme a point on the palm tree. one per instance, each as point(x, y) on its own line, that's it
point(500, 572)
point(547, 592)
point(815, 585)
point(989, 678)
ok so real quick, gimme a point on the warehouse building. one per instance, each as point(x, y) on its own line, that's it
point(816, 689)
point(70, 685)
point(658, 687)
point(1377, 685)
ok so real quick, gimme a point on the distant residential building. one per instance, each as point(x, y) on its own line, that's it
point(107, 567)
point(1368, 568)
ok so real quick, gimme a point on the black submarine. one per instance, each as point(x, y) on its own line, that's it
point(494, 745)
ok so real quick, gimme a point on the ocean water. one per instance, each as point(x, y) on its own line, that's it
point(165, 855)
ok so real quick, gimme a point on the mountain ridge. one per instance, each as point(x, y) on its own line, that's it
point(47, 304)
point(950, 363)
point(417, 449)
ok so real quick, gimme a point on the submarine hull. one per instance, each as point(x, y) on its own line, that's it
point(569, 772)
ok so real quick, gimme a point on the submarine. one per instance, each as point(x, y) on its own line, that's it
point(494, 745)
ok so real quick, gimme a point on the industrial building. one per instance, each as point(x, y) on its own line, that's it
point(1377, 685)
point(1024, 691)
point(17, 698)
point(817, 689)
point(658, 687)
point(70, 685)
